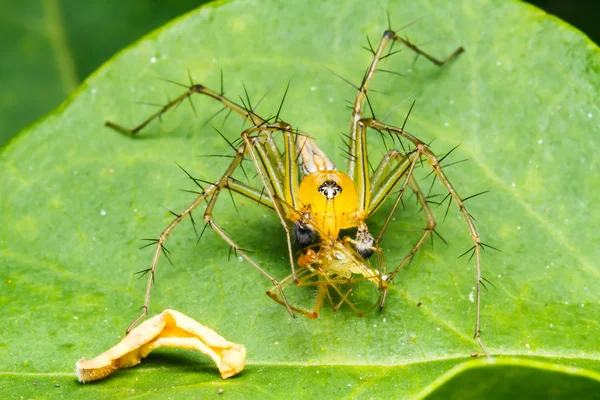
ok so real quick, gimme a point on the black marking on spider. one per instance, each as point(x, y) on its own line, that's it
point(330, 189)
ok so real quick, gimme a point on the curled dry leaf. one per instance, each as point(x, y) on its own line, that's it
point(172, 329)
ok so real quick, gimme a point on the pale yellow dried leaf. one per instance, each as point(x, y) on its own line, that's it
point(171, 329)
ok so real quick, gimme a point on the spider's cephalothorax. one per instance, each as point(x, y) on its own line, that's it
point(329, 200)
point(334, 210)
point(319, 200)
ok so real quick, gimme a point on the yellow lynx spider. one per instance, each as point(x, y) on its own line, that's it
point(319, 200)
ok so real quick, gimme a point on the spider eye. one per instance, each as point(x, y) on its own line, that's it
point(304, 234)
point(330, 189)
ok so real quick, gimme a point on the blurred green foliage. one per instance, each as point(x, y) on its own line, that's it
point(50, 46)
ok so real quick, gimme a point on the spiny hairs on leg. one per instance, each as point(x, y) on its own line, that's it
point(193, 88)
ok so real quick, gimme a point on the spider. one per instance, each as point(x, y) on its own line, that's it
point(314, 200)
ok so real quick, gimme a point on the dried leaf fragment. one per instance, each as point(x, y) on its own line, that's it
point(172, 329)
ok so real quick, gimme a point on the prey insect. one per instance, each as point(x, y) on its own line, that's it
point(315, 201)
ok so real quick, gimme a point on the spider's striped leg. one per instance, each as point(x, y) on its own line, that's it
point(394, 167)
point(357, 152)
point(249, 115)
point(403, 170)
point(422, 149)
point(278, 187)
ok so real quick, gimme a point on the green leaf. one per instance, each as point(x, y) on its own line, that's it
point(50, 46)
point(523, 103)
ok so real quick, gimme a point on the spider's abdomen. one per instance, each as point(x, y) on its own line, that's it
point(329, 196)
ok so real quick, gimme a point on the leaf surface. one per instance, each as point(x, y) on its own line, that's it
point(523, 103)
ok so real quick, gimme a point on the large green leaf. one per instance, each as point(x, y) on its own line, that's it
point(523, 103)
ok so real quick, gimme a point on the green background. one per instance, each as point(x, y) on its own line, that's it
point(522, 102)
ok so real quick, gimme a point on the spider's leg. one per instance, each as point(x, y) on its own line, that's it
point(162, 238)
point(404, 170)
point(302, 276)
point(324, 284)
point(344, 299)
point(327, 282)
point(322, 291)
point(291, 170)
point(339, 305)
point(249, 192)
point(231, 184)
point(385, 178)
point(249, 115)
point(273, 183)
point(394, 167)
point(357, 151)
point(430, 219)
point(422, 149)
point(431, 223)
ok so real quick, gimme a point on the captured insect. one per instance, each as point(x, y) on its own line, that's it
point(315, 201)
